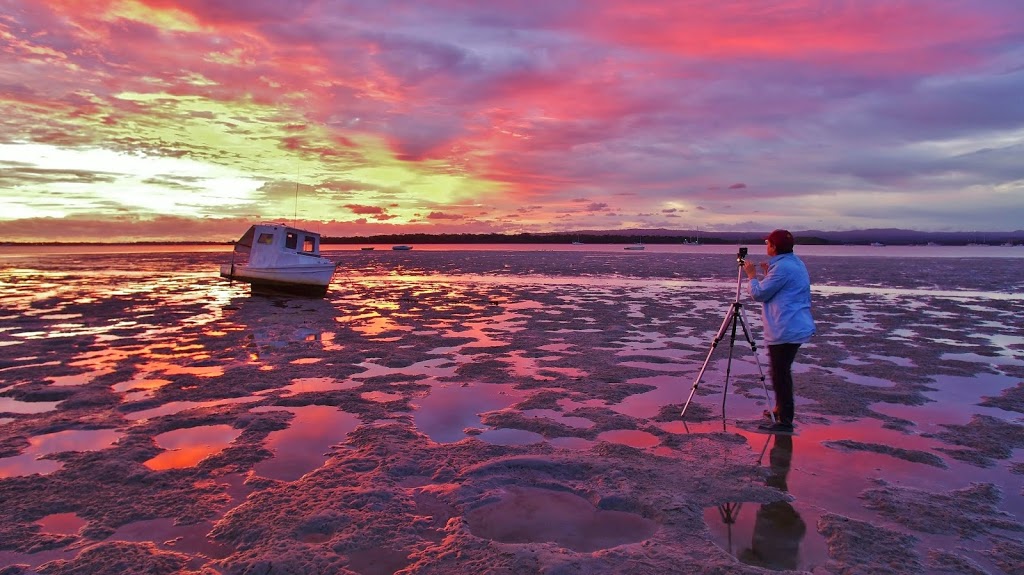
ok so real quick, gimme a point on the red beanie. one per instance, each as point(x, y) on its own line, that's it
point(782, 240)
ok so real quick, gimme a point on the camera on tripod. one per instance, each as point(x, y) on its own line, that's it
point(735, 319)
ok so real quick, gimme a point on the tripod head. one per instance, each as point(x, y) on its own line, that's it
point(741, 255)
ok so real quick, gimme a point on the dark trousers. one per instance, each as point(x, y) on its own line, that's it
point(780, 359)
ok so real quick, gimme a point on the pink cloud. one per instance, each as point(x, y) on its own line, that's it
point(443, 216)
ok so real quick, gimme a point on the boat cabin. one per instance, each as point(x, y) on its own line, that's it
point(273, 245)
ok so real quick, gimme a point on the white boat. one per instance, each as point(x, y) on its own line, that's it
point(280, 259)
point(401, 248)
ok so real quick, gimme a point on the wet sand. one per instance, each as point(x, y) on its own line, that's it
point(504, 412)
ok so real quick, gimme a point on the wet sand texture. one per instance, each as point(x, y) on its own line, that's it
point(493, 412)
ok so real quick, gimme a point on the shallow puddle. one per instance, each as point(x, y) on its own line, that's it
point(505, 436)
point(187, 447)
point(77, 379)
point(11, 405)
point(778, 536)
point(311, 385)
point(29, 461)
point(179, 406)
point(62, 523)
point(140, 385)
point(631, 437)
point(302, 447)
point(381, 396)
point(449, 410)
point(191, 539)
point(531, 515)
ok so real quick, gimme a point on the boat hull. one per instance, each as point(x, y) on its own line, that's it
point(311, 280)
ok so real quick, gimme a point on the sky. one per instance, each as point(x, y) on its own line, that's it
point(128, 120)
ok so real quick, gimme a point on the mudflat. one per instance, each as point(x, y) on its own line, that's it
point(497, 411)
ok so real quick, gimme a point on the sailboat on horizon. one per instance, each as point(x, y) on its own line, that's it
point(639, 245)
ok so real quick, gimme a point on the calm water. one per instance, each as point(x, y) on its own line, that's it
point(138, 343)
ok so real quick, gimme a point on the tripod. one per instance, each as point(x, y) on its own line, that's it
point(735, 317)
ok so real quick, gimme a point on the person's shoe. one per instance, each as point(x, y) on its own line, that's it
point(778, 427)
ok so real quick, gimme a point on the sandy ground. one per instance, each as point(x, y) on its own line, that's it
point(482, 412)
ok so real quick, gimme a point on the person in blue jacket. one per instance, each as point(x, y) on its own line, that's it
point(785, 292)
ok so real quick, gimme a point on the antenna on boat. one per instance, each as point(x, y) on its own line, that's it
point(295, 215)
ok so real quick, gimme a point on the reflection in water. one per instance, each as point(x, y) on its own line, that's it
point(62, 523)
point(310, 385)
point(191, 539)
point(777, 532)
point(532, 515)
point(179, 406)
point(778, 528)
point(187, 447)
point(77, 379)
point(11, 405)
point(140, 385)
point(380, 396)
point(631, 437)
point(300, 448)
point(449, 410)
point(41, 445)
point(505, 436)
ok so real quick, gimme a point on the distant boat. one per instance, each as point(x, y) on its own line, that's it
point(367, 249)
point(878, 244)
point(281, 259)
point(639, 245)
point(577, 242)
point(401, 248)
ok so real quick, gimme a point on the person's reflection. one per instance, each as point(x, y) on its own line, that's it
point(778, 528)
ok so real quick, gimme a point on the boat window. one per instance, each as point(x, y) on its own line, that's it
point(291, 241)
point(309, 244)
point(266, 239)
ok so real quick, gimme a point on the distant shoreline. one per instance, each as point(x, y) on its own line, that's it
point(862, 237)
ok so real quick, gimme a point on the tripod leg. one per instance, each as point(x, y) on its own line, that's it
point(728, 363)
point(714, 344)
point(757, 360)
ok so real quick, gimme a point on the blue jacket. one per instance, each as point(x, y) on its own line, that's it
point(785, 292)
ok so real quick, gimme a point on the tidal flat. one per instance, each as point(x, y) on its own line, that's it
point(505, 411)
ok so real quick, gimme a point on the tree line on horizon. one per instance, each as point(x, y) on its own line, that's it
point(550, 238)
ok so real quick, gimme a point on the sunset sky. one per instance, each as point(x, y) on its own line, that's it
point(163, 119)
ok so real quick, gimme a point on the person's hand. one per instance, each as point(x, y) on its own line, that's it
point(750, 269)
point(764, 267)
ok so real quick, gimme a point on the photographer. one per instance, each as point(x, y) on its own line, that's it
point(785, 291)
